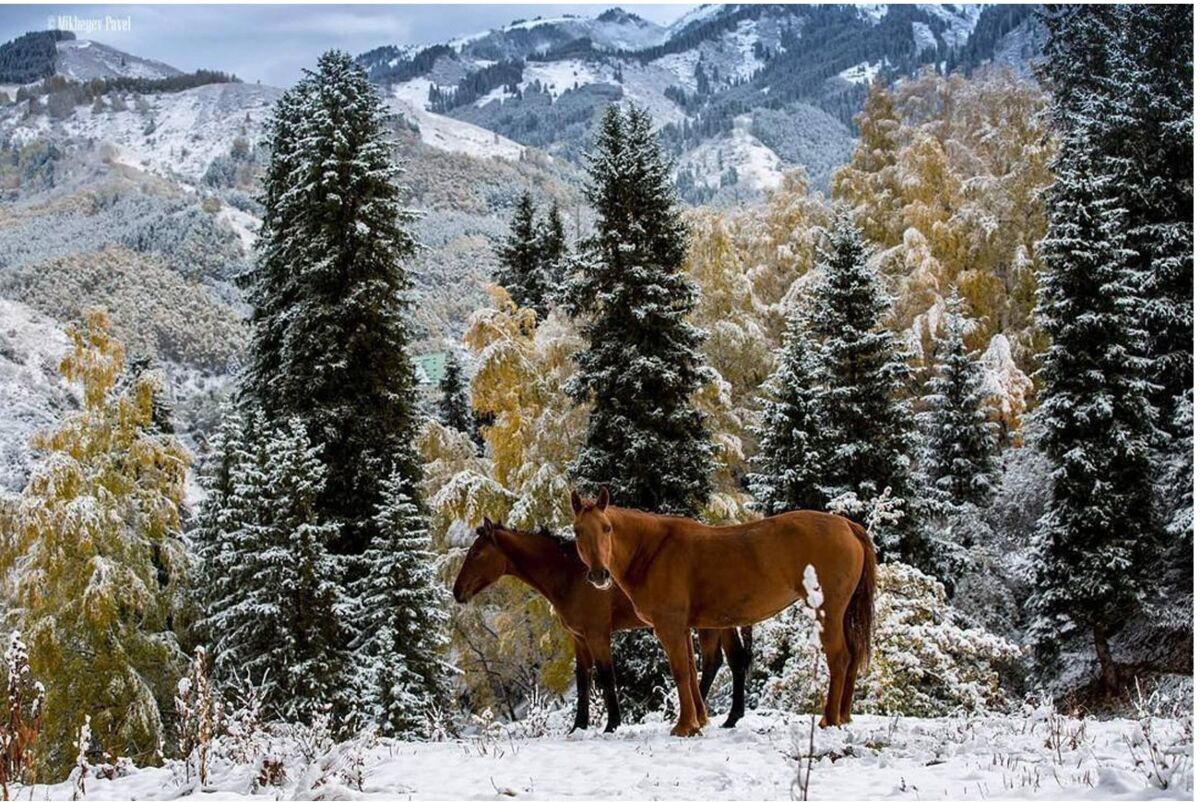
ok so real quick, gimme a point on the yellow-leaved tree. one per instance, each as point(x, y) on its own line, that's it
point(94, 557)
point(747, 266)
point(947, 184)
point(509, 641)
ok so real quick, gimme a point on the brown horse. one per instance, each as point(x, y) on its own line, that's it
point(681, 574)
point(552, 567)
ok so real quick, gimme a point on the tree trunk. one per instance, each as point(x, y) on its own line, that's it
point(1108, 669)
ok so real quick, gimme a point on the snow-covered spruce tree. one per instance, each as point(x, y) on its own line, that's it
point(521, 270)
point(959, 460)
point(788, 469)
point(553, 249)
point(222, 514)
point(273, 602)
point(403, 618)
point(96, 559)
point(1135, 60)
point(866, 421)
point(1092, 545)
point(1140, 58)
point(329, 291)
point(454, 407)
point(640, 365)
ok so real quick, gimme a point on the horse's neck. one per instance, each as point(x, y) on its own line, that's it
point(536, 561)
point(636, 535)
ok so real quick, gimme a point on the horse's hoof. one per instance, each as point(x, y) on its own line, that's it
point(578, 726)
point(611, 728)
point(823, 723)
point(685, 730)
point(730, 723)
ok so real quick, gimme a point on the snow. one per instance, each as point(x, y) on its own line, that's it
point(744, 40)
point(872, 12)
point(923, 37)
point(875, 757)
point(447, 133)
point(190, 129)
point(700, 14)
point(83, 60)
point(559, 76)
point(33, 394)
point(961, 18)
point(758, 167)
point(862, 73)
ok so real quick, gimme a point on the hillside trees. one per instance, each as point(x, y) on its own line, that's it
point(97, 557)
point(533, 257)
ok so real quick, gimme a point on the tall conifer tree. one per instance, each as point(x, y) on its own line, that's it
point(867, 422)
point(641, 365)
point(1096, 413)
point(521, 260)
point(329, 292)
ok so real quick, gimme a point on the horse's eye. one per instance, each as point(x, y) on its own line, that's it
point(607, 528)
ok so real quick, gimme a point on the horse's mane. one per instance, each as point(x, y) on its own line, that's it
point(564, 543)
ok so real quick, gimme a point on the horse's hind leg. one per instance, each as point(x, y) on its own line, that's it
point(710, 658)
point(738, 653)
point(848, 686)
point(606, 675)
point(694, 685)
point(837, 656)
point(583, 684)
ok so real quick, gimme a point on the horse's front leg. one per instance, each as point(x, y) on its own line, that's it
point(675, 640)
point(583, 684)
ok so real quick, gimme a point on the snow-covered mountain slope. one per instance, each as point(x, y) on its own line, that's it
point(1038, 755)
point(33, 395)
point(447, 133)
point(83, 60)
point(169, 133)
point(542, 82)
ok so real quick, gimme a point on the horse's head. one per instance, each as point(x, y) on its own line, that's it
point(593, 536)
point(485, 563)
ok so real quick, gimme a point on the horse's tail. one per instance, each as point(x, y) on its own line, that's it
point(860, 615)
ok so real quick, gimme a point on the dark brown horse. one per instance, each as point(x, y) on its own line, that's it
point(552, 567)
point(681, 574)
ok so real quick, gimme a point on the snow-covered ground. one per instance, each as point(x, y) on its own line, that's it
point(1035, 756)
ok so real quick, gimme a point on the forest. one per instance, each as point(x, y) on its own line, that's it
point(977, 347)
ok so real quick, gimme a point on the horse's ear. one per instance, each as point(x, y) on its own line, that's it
point(489, 528)
point(576, 502)
point(602, 499)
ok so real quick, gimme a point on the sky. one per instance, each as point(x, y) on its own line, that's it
point(272, 43)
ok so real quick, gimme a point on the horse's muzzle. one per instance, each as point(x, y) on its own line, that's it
point(600, 577)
